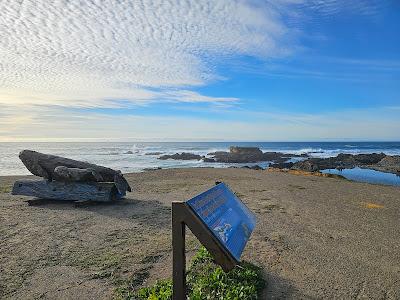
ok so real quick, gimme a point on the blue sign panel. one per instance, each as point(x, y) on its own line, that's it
point(226, 217)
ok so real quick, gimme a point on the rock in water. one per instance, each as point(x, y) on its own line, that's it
point(390, 164)
point(245, 150)
point(181, 156)
point(44, 165)
point(376, 161)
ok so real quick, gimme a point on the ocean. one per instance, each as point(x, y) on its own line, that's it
point(134, 157)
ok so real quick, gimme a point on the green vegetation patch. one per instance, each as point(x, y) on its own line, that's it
point(206, 280)
point(5, 189)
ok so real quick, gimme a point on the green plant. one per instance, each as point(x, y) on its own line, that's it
point(5, 189)
point(206, 280)
point(162, 290)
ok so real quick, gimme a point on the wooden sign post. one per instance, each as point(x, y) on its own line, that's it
point(220, 221)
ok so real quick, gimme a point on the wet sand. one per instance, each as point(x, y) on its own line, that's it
point(316, 237)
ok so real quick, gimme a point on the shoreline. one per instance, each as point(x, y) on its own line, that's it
point(268, 169)
point(133, 157)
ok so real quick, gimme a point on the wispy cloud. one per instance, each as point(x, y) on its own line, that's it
point(85, 53)
point(323, 67)
point(334, 7)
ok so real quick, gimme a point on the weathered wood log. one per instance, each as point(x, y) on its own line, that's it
point(76, 175)
point(44, 165)
point(71, 191)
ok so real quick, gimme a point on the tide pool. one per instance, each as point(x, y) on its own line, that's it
point(367, 175)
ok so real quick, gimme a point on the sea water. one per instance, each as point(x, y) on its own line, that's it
point(133, 157)
point(367, 175)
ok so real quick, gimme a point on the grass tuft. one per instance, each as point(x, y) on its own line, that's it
point(5, 189)
point(206, 280)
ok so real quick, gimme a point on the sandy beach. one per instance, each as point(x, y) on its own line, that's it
point(316, 237)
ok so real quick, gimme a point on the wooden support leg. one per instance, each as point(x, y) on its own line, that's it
point(179, 258)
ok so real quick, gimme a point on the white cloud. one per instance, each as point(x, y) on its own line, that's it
point(83, 53)
point(112, 54)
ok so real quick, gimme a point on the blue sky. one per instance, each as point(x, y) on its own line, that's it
point(233, 70)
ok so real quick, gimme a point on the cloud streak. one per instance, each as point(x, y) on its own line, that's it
point(84, 53)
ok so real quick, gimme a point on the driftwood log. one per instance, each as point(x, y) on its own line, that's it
point(52, 167)
point(70, 191)
point(76, 175)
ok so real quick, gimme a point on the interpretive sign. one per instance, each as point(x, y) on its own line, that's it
point(226, 216)
point(220, 221)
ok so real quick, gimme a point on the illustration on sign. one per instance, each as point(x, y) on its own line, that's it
point(226, 216)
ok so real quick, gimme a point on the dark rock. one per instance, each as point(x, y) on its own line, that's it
point(390, 161)
point(152, 169)
point(245, 150)
point(369, 159)
point(153, 153)
point(128, 152)
point(277, 156)
point(377, 161)
point(210, 160)
point(238, 155)
point(310, 165)
point(217, 153)
point(389, 164)
point(284, 165)
point(256, 167)
point(181, 156)
point(345, 159)
point(249, 155)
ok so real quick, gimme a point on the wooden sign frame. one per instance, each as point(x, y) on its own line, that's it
point(182, 216)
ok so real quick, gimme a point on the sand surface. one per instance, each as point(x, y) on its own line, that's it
point(315, 238)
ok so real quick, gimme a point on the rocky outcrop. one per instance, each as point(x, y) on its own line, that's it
point(255, 167)
point(181, 156)
point(284, 165)
point(369, 159)
point(245, 150)
point(377, 161)
point(389, 164)
point(248, 155)
point(235, 155)
point(316, 164)
point(152, 169)
point(153, 153)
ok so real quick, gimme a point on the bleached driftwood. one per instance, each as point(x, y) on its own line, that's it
point(44, 165)
point(70, 191)
point(76, 175)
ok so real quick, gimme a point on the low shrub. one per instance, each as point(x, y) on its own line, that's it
point(206, 280)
